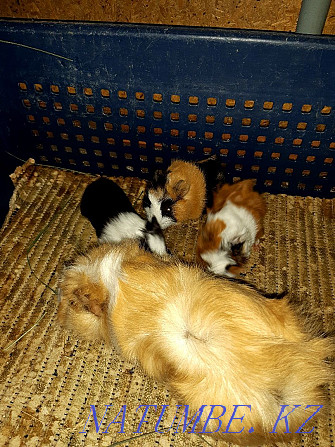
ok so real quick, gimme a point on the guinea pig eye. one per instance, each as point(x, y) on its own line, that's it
point(167, 208)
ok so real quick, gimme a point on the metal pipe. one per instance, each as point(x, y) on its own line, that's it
point(312, 17)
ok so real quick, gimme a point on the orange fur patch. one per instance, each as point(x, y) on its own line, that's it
point(186, 185)
point(209, 237)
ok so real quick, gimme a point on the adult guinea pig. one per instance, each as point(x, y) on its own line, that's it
point(234, 225)
point(112, 215)
point(215, 343)
point(182, 192)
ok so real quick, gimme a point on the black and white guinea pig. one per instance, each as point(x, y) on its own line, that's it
point(183, 191)
point(114, 219)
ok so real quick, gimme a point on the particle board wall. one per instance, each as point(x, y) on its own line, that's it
point(276, 15)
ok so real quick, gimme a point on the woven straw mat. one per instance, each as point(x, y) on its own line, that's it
point(49, 378)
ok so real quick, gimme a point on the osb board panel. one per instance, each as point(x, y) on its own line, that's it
point(277, 15)
point(49, 378)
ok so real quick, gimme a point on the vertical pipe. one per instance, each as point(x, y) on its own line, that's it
point(312, 16)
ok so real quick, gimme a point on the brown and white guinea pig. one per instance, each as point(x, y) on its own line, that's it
point(114, 219)
point(212, 341)
point(234, 224)
point(182, 192)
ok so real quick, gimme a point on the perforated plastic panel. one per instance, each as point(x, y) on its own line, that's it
point(125, 99)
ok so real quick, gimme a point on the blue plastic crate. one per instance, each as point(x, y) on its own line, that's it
point(126, 99)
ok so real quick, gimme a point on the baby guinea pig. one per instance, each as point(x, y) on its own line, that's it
point(112, 215)
point(183, 191)
point(212, 341)
point(234, 224)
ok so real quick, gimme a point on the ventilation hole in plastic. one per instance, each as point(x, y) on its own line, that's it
point(249, 104)
point(193, 100)
point(326, 110)
point(283, 124)
point(268, 105)
point(139, 96)
point(212, 102)
point(306, 108)
point(54, 89)
point(210, 119)
point(123, 111)
point(74, 107)
point(297, 142)
point(88, 91)
point(105, 93)
point(71, 90)
point(301, 126)
point(23, 86)
point(264, 123)
point(157, 115)
point(157, 97)
point(122, 94)
point(230, 103)
point(246, 122)
point(287, 107)
point(293, 157)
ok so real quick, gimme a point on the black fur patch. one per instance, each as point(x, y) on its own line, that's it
point(103, 200)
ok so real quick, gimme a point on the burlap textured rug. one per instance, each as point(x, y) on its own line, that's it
point(49, 379)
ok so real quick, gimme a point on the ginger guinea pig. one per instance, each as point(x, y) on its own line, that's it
point(215, 343)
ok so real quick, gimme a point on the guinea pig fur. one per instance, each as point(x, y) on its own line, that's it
point(182, 192)
point(112, 215)
point(234, 224)
point(211, 340)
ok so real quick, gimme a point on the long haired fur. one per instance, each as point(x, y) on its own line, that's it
point(112, 215)
point(183, 191)
point(211, 340)
point(234, 224)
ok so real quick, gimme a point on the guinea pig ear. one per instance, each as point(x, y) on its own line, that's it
point(91, 298)
point(181, 188)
